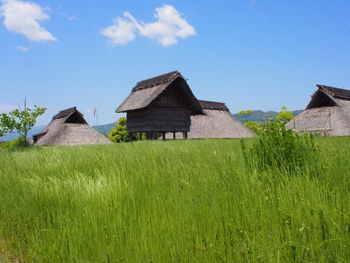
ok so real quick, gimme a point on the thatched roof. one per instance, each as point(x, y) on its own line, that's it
point(146, 91)
point(328, 113)
point(69, 127)
point(215, 122)
point(213, 105)
point(338, 93)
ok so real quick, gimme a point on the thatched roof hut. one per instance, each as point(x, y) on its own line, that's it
point(328, 113)
point(165, 104)
point(215, 122)
point(161, 104)
point(69, 127)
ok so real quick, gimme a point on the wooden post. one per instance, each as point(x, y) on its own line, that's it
point(130, 137)
point(163, 135)
point(185, 135)
point(174, 135)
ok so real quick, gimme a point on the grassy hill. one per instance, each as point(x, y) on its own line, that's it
point(174, 201)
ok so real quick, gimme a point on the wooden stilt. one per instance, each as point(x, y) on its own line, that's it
point(163, 135)
point(174, 135)
point(185, 135)
point(130, 137)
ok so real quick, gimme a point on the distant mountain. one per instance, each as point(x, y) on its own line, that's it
point(105, 129)
point(13, 135)
point(257, 115)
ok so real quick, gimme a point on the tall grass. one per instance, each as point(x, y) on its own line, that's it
point(181, 201)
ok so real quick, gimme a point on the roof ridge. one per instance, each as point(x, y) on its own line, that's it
point(64, 113)
point(213, 105)
point(157, 80)
point(335, 92)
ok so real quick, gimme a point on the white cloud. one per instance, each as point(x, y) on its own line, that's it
point(121, 32)
point(167, 29)
point(24, 17)
point(23, 49)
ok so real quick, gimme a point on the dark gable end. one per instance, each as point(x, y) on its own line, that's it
point(327, 96)
point(71, 115)
point(147, 91)
point(338, 93)
point(64, 113)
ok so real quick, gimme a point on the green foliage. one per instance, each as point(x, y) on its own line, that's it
point(20, 120)
point(120, 132)
point(17, 143)
point(245, 112)
point(174, 201)
point(279, 148)
point(254, 126)
point(284, 115)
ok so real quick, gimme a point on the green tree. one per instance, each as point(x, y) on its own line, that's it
point(284, 115)
point(120, 132)
point(254, 126)
point(245, 112)
point(20, 120)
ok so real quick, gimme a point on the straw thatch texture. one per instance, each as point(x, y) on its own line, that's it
point(215, 122)
point(328, 113)
point(165, 104)
point(69, 127)
point(147, 91)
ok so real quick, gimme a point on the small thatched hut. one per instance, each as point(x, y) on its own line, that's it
point(159, 105)
point(165, 104)
point(215, 122)
point(69, 127)
point(328, 113)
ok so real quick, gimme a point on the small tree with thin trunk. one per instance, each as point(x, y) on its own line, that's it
point(20, 120)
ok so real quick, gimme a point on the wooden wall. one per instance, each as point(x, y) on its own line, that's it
point(166, 114)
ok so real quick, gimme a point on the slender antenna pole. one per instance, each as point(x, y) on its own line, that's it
point(95, 115)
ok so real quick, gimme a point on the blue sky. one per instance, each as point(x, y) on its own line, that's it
point(249, 54)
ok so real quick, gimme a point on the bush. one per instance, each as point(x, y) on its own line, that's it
point(120, 132)
point(254, 126)
point(17, 143)
point(282, 149)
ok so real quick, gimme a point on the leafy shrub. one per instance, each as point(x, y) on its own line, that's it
point(17, 143)
point(254, 126)
point(120, 132)
point(282, 149)
point(285, 115)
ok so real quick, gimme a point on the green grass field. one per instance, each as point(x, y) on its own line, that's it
point(174, 201)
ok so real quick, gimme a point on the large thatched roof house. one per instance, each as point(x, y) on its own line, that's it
point(165, 104)
point(328, 113)
point(69, 127)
